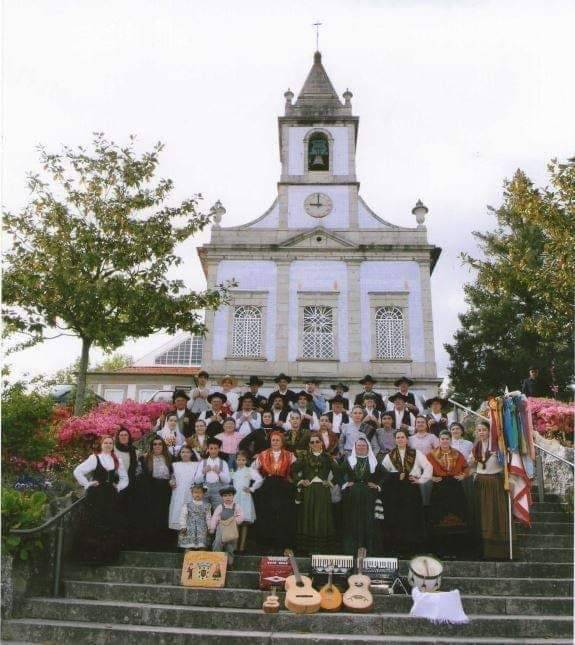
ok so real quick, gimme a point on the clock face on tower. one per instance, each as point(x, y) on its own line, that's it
point(318, 205)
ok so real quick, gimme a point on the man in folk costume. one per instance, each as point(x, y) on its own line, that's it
point(213, 472)
point(260, 401)
point(186, 418)
point(318, 399)
point(216, 416)
point(278, 408)
point(368, 382)
point(340, 389)
point(337, 415)
point(402, 417)
point(371, 413)
point(304, 406)
point(329, 439)
point(437, 417)
point(247, 419)
point(289, 396)
point(403, 384)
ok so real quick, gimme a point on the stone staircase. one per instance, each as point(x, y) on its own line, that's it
point(140, 601)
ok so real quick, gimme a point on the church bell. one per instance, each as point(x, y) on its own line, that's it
point(317, 160)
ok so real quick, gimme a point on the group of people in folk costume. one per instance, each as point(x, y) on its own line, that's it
point(323, 476)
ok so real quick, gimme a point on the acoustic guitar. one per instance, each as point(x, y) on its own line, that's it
point(358, 597)
point(331, 598)
point(301, 597)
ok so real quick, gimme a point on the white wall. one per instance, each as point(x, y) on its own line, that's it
point(392, 276)
point(271, 219)
point(257, 275)
point(296, 150)
point(339, 216)
point(318, 276)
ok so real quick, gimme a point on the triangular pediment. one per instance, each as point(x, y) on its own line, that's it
point(317, 238)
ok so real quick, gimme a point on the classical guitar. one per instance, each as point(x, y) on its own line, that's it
point(301, 597)
point(331, 598)
point(358, 597)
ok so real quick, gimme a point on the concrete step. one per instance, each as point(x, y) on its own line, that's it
point(544, 516)
point(43, 631)
point(525, 586)
point(543, 554)
point(550, 506)
point(544, 528)
point(338, 623)
point(554, 541)
point(253, 598)
point(546, 569)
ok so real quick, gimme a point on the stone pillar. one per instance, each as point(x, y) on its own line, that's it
point(211, 279)
point(429, 345)
point(354, 312)
point(282, 314)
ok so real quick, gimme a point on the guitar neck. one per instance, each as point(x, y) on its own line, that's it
point(294, 566)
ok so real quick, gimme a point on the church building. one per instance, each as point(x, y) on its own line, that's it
point(325, 287)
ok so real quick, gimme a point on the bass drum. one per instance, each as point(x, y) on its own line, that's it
point(425, 573)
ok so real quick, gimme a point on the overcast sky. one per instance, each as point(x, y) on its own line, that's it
point(453, 97)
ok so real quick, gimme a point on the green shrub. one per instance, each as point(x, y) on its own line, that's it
point(22, 511)
point(26, 424)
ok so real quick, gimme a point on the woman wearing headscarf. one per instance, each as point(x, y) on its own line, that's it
point(490, 498)
point(274, 500)
point(448, 505)
point(313, 473)
point(127, 455)
point(361, 478)
point(405, 470)
point(154, 491)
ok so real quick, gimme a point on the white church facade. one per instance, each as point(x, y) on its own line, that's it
point(325, 287)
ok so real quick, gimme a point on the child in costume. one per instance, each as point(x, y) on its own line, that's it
point(224, 523)
point(242, 480)
point(194, 520)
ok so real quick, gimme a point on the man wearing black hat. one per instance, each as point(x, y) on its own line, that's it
point(186, 418)
point(437, 417)
point(215, 417)
point(304, 406)
point(340, 389)
point(402, 417)
point(246, 418)
point(337, 415)
point(403, 384)
point(278, 408)
point(533, 386)
point(289, 396)
point(260, 402)
point(368, 382)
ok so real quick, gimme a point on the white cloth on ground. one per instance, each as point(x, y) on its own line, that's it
point(438, 606)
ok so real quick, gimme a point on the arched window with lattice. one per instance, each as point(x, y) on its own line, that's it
point(247, 332)
point(389, 333)
point(318, 339)
point(318, 152)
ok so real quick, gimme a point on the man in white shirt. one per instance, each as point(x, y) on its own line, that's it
point(247, 419)
point(402, 418)
point(337, 415)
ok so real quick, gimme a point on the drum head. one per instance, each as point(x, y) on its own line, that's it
point(425, 573)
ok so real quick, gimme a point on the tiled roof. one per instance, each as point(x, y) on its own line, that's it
point(318, 91)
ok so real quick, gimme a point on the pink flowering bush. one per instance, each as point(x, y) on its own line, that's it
point(107, 418)
point(552, 418)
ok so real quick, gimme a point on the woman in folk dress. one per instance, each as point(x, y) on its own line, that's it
point(184, 475)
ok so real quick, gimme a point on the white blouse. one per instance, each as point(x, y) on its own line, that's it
point(465, 447)
point(421, 468)
point(160, 468)
point(124, 458)
point(492, 465)
point(83, 471)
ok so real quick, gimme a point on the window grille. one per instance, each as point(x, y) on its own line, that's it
point(390, 333)
point(318, 332)
point(188, 352)
point(247, 332)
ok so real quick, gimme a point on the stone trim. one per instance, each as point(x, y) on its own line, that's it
point(399, 299)
point(242, 298)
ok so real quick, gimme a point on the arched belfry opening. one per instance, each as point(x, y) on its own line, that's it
point(318, 152)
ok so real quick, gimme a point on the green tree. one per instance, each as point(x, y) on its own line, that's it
point(113, 362)
point(91, 251)
point(520, 306)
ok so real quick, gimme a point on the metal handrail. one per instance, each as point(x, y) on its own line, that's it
point(58, 521)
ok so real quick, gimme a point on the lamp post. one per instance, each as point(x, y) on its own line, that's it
point(420, 210)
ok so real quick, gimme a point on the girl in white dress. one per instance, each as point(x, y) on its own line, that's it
point(184, 474)
point(242, 479)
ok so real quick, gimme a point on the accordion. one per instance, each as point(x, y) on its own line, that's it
point(341, 567)
point(382, 571)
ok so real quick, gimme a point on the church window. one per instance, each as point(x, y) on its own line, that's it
point(247, 332)
point(318, 332)
point(389, 333)
point(188, 352)
point(318, 152)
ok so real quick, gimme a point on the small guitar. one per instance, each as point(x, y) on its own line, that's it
point(271, 604)
point(331, 598)
point(358, 597)
point(301, 597)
